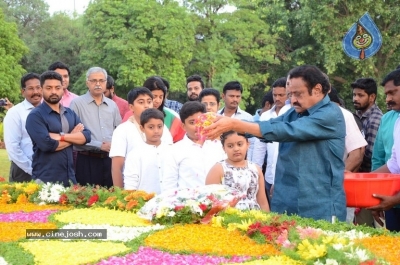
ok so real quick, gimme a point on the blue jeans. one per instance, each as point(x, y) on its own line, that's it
point(392, 218)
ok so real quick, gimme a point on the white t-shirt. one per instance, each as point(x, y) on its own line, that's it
point(143, 169)
point(127, 137)
point(188, 164)
point(354, 138)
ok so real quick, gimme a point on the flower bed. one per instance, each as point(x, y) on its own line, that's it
point(183, 227)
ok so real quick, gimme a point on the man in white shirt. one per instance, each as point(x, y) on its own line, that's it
point(191, 158)
point(272, 149)
point(232, 95)
point(128, 136)
point(17, 141)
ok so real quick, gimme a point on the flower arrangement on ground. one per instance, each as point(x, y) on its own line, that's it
point(189, 205)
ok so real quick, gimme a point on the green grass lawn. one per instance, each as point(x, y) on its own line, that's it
point(4, 164)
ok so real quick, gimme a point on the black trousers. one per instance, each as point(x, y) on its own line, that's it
point(93, 170)
point(18, 175)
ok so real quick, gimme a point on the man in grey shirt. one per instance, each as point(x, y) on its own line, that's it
point(101, 116)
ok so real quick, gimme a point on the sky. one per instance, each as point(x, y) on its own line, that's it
point(67, 5)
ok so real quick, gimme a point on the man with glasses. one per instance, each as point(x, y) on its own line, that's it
point(101, 116)
point(18, 143)
point(210, 98)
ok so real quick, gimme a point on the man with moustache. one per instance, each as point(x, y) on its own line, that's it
point(364, 96)
point(232, 95)
point(64, 71)
point(387, 140)
point(194, 85)
point(101, 116)
point(53, 129)
point(16, 138)
point(307, 182)
point(122, 104)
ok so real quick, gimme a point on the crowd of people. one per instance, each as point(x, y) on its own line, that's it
point(289, 157)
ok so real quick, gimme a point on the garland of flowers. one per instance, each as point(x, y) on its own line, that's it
point(146, 255)
point(206, 239)
point(71, 253)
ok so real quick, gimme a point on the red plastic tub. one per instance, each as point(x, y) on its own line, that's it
point(359, 187)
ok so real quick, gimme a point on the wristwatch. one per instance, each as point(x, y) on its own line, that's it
point(62, 134)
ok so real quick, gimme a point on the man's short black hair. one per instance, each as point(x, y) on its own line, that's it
point(233, 85)
point(312, 76)
point(190, 108)
point(394, 75)
point(59, 65)
point(280, 82)
point(151, 114)
point(49, 75)
point(195, 78)
point(210, 92)
point(27, 77)
point(110, 82)
point(134, 93)
point(267, 98)
point(367, 84)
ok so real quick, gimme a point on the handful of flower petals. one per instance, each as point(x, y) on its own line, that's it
point(189, 205)
point(202, 122)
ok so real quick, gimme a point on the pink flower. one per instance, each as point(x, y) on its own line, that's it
point(308, 232)
point(34, 217)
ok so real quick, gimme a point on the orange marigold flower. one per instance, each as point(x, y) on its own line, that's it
point(17, 230)
point(386, 247)
point(130, 205)
point(120, 205)
point(205, 239)
point(110, 200)
point(22, 199)
point(29, 207)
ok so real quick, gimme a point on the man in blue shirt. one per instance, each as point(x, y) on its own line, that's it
point(310, 167)
point(53, 130)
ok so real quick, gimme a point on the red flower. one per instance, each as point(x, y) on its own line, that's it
point(63, 199)
point(2, 179)
point(368, 262)
point(178, 208)
point(93, 199)
point(203, 207)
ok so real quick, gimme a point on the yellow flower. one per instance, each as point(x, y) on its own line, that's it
point(18, 186)
point(31, 188)
point(231, 210)
point(22, 199)
point(216, 221)
point(28, 207)
point(259, 215)
point(245, 225)
point(309, 251)
point(71, 253)
point(272, 261)
point(17, 230)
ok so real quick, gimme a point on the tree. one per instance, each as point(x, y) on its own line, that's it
point(11, 51)
point(57, 39)
point(135, 39)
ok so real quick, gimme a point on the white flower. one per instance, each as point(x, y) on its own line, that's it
point(327, 262)
point(358, 253)
point(3, 261)
point(171, 214)
point(338, 246)
point(51, 193)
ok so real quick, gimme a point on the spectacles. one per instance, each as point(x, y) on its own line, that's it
point(211, 104)
point(94, 81)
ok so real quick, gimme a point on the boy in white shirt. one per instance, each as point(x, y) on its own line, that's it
point(128, 136)
point(191, 158)
point(143, 166)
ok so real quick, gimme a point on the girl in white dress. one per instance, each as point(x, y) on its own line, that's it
point(238, 173)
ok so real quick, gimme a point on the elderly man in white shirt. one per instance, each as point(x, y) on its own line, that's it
point(17, 141)
point(191, 158)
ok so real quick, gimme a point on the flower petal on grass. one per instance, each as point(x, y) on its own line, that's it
point(95, 216)
point(34, 217)
point(147, 255)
